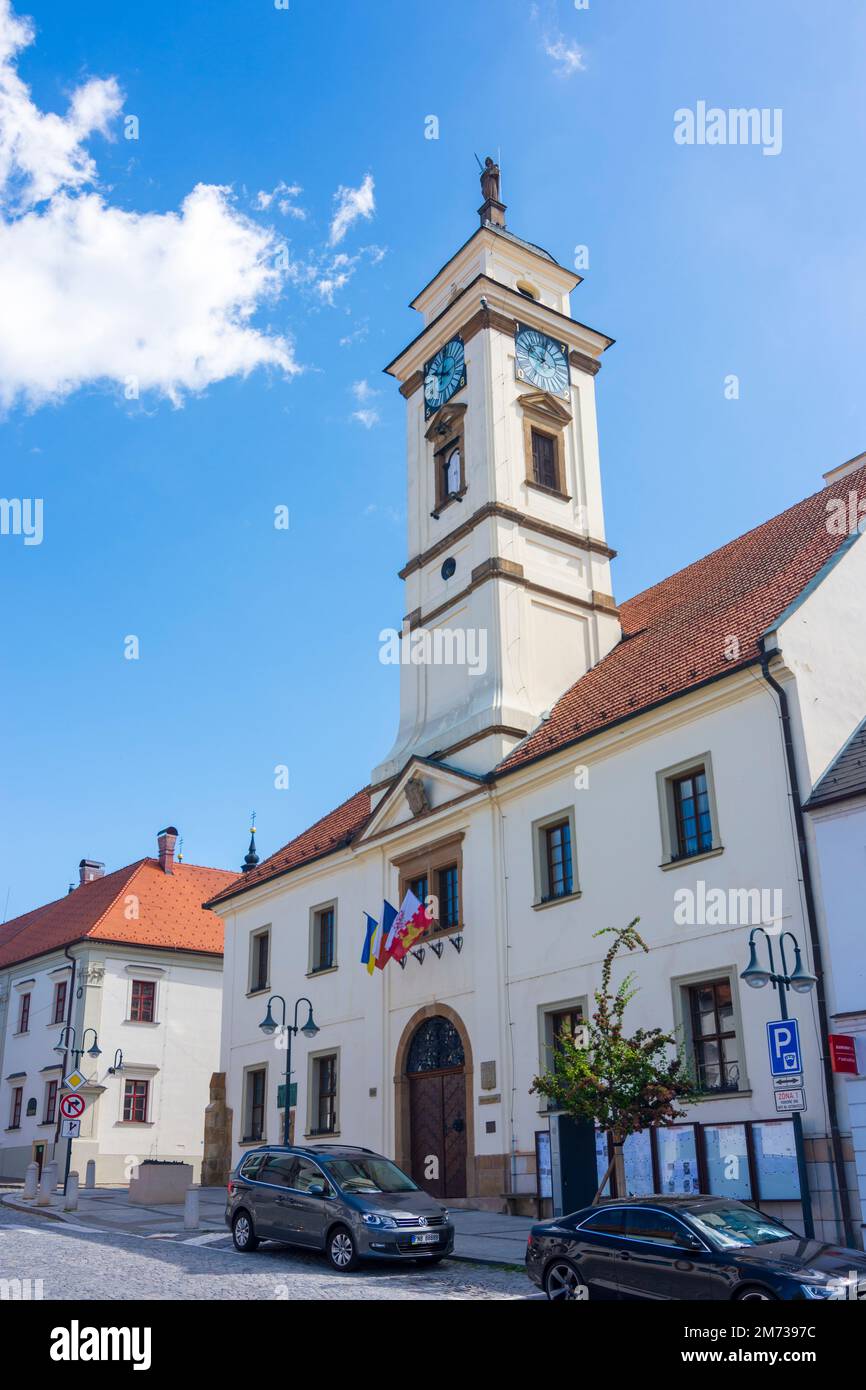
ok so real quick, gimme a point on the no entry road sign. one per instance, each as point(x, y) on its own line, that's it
point(73, 1107)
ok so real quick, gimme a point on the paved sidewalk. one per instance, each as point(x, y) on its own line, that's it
point(479, 1235)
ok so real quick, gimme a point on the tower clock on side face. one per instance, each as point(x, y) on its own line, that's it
point(542, 361)
point(444, 374)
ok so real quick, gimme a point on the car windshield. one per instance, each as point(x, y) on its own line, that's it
point(369, 1175)
point(727, 1227)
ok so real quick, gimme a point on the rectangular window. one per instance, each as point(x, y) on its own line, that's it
point(59, 1011)
point(714, 1039)
point(17, 1098)
point(544, 470)
point(50, 1103)
point(135, 1098)
point(323, 939)
point(436, 871)
point(24, 1014)
point(142, 1004)
point(694, 829)
point(565, 1024)
point(557, 846)
point(418, 886)
point(260, 951)
point(325, 1093)
point(255, 1106)
point(449, 897)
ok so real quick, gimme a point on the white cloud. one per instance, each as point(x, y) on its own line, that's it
point(367, 418)
point(95, 293)
point(363, 391)
point(284, 195)
point(352, 203)
point(567, 56)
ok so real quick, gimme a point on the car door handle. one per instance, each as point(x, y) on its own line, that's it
point(624, 1255)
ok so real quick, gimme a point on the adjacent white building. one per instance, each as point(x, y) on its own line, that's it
point(130, 962)
point(563, 764)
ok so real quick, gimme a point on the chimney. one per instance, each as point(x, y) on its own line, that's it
point(89, 869)
point(166, 840)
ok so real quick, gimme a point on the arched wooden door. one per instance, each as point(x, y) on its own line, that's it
point(435, 1069)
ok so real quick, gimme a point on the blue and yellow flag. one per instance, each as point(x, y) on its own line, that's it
point(368, 957)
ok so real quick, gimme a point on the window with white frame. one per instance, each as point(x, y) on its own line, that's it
point(255, 1081)
point(260, 961)
point(554, 858)
point(707, 1017)
point(323, 937)
point(687, 808)
point(324, 1074)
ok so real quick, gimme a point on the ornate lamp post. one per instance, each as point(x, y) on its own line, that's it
point(269, 1025)
point(801, 982)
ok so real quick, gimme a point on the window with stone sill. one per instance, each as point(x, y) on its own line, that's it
point(254, 1106)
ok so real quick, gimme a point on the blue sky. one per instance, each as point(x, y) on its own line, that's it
point(259, 647)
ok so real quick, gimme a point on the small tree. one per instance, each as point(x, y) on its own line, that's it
point(622, 1083)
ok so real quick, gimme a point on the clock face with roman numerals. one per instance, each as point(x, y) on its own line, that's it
point(542, 361)
point(444, 374)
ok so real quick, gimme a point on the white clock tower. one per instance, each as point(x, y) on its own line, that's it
point(508, 589)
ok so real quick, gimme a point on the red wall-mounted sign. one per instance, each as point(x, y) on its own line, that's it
point(843, 1053)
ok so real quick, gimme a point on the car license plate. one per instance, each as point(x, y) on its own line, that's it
point(428, 1238)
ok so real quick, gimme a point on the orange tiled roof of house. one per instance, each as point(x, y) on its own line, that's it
point(675, 638)
point(169, 908)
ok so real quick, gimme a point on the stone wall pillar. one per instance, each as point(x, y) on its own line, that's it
point(216, 1160)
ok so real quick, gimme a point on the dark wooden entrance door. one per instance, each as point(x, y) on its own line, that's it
point(437, 1118)
point(437, 1108)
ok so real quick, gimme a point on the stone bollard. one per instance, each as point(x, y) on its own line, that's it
point(47, 1184)
point(191, 1209)
point(70, 1201)
point(90, 1173)
point(31, 1181)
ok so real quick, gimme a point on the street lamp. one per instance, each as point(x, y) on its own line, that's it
point(801, 982)
point(269, 1026)
point(118, 1063)
point(77, 1052)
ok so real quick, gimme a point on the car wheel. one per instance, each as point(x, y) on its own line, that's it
point(755, 1296)
point(562, 1281)
point(342, 1251)
point(242, 1233)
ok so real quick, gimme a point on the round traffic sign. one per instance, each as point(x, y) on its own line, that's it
point(72, 1107)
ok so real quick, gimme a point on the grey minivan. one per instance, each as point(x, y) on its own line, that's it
point(350, 1202)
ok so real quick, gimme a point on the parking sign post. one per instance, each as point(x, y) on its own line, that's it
point(783, 1040)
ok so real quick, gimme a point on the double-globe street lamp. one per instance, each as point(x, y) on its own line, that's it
point(269, 1025)
point(801, 982)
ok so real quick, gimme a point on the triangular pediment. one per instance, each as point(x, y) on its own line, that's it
point(540, 403)
point(422, 788)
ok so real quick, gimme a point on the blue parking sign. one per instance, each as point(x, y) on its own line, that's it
point(783, 1039)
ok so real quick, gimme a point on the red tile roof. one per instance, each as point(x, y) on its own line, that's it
point(675, 638)
point(170, 914)
point(676, 633)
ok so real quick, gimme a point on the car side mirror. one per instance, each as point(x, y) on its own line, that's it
point(688, 1241)
point(317, 1189)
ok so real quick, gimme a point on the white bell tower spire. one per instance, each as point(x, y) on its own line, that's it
point(508, 589)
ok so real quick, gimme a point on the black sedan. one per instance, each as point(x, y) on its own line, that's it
point(686, 1248)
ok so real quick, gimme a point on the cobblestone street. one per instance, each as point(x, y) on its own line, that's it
point(99, 1266)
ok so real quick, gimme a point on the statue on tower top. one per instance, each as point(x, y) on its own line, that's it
point(490, 181)
point(491, 210)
